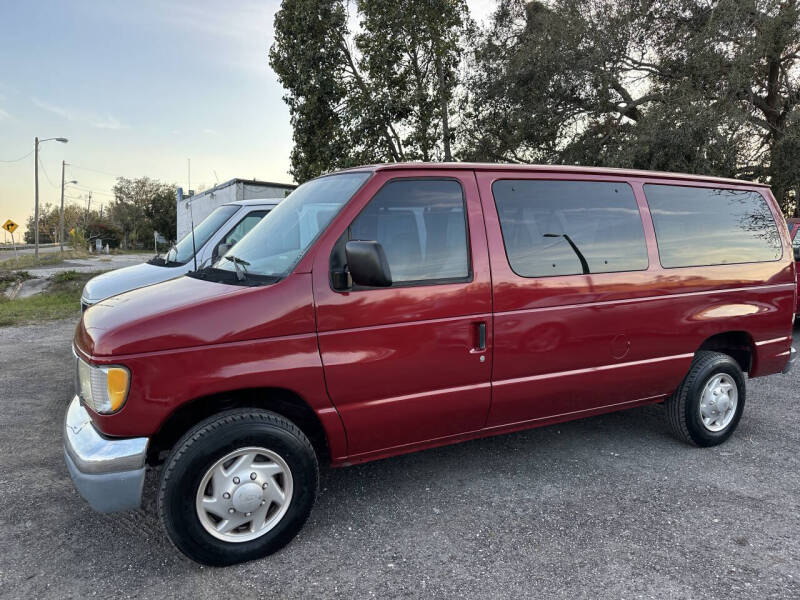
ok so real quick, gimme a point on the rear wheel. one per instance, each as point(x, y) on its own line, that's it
point(237, 487)
point(706, 408)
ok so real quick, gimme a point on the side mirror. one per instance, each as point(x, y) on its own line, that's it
point(367, 264)
point(221, 250)
point(797, 252)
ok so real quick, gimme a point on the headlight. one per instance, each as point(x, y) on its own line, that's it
point(103, 389)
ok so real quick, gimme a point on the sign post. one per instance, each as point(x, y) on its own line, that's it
point(11, 227)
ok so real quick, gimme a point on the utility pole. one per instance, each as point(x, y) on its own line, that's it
point(61, 214)
point(36, 190)
point(36, 201)
point(88, 207)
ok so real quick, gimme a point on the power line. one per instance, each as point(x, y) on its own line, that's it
point(46, 176)
point(17, 159)
point(84, 188)
point(96, 171)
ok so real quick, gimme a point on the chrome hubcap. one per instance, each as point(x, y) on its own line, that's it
point(718, 402)
point(244, 494)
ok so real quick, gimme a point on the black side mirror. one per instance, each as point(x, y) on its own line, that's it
point(367, 264)
point(221, 249)
point(797, 252)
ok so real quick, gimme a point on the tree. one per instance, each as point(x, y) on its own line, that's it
point(383, 93)
point(75, 217)
point(743, 55)
point(102, 229)
point(679, 85)
point(141, 206)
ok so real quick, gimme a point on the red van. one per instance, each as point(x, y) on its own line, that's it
point(386, 309)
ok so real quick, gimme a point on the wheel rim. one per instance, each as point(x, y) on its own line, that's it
point(244, 494)
point(718, 402)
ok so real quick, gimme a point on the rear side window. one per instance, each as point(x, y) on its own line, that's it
point(712, 226)
point(570, 227)
point(421, 224)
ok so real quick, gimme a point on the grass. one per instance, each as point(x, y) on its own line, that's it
point(142, 251)
point(61, 300)
point(28, 261)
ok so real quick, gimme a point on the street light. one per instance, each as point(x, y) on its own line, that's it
point(36, 142)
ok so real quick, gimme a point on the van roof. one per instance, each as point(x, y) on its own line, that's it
point(554, 169)
point(256, 202)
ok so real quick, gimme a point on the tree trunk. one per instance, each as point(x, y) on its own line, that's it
point(796, 212)
point(444, 108)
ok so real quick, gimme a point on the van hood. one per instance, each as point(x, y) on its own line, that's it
point(188, 312)
point(128, 278)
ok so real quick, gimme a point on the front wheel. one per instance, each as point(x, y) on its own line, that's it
point(706, 408)
point(237, 487)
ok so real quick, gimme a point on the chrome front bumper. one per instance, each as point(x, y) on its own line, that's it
point(109, 473)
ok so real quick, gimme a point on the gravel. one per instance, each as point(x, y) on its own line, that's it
point(605, 507)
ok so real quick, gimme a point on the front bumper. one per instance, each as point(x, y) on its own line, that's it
point(790, 363)
point(109, 473)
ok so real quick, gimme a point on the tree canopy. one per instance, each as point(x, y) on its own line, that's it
point(699, 86)
point(141, 206)
point(379, 91)
point(676, 85)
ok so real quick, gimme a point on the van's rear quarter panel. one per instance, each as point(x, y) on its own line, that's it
point(581, 356)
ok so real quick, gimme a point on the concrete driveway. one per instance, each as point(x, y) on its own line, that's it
point(100, 262)
point(605, 507)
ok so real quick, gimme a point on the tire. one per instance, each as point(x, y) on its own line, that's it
point(272, 445)
point(685, 414)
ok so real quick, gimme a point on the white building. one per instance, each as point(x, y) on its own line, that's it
point(202, 203)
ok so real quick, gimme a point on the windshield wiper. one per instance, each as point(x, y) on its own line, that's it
point(578, 253)
point(239, 265)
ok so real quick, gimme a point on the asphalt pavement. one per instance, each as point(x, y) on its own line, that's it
point(604, 507)
point(27, 249)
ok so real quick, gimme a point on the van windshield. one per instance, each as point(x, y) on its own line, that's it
point(183, 251)
point(274, 246)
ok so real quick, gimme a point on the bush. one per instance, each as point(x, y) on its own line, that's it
point(65, 276)
point(77, 239)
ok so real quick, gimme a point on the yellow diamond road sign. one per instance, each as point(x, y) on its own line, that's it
point(10, 226)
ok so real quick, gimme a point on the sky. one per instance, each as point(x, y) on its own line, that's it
point(139, 89)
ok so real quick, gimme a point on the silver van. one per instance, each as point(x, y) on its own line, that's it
point(213, 237)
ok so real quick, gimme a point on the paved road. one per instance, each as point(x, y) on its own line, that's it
point(27, 250)
point(606, 507)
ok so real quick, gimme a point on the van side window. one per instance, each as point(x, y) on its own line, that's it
point(421, 224)
point(712, 226)
point(570, 227)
